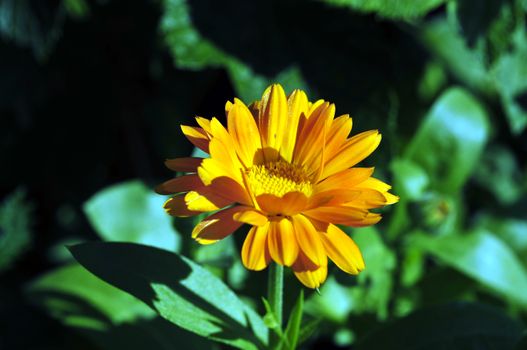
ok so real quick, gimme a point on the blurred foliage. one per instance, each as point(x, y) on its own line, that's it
point(91, 97)
point(15, 228)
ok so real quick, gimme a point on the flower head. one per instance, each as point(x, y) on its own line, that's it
point(285, 166)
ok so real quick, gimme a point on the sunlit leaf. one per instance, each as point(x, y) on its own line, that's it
point(131, 212)
point(457, 326)
point(401, 9)
point(178, 289)
point(482, 256)
point(450, 140)
point(70, 291)
point(15, 228)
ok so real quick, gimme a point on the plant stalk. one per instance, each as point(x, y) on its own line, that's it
point(275, 293)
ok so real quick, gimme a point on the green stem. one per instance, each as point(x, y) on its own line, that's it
point(275, 293)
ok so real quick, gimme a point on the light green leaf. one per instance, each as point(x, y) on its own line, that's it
point(400, 9)
point(450, 140)
point(192, 51)
point(482, 256)
point(411, 180)
point(62, 292)
point(178, 289)
point(444, 40)
point(131, 212)
point(334, 302)
point(15, 228)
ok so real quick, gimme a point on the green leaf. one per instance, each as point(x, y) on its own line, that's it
point(131, 212)
point(457, 326)
point(374, 283)
point(15, 228)
point(510, 75)
point(109, 317)
point(333, 303)
point(482, 256)
point(444, 40)
point(400, 9)
point(178, 289)
point(308, 329)
point(292, 331)
point(193, 51)
point(450, 140)
point(63, 291)
point(500, 173)
point(411, 181)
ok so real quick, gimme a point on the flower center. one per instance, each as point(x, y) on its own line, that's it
point(278, 178)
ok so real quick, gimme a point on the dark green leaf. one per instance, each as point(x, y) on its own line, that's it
point(401, 9)
point(33, 25)
point(131, 212)
point(15, 228)
point(482, 256)
point(178, 289)
point(292, 330)
point(458, 326)
point(450, 140)
point(193, 51)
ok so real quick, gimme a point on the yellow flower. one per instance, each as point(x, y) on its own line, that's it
point(286, 167)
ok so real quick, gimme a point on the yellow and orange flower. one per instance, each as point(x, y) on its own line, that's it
point(286, 167)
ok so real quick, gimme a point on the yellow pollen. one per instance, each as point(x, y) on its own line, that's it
point(278, 178)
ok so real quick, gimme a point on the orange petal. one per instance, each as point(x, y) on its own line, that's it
point(176, 206)
point(338, 215)
point(337, 134)
point(204, 123)
point(290, 204)
point(183, 183)
point(251, 217)
point(272, 118)
point(244, 131)
point(309, 241)
point(216, 226)
point(297, 104)
point(313, 133)
point(344, 179)
point(342, 250)
point(227, 158)
point(197, 136)
point(282, 243)
point(354, 150)
point(231, 190)
point(255, 254)
point(311, 275)
point(205, 199)
point(187, 165)
point(333, 197)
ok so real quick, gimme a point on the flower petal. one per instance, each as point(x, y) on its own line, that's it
point(216, 226)
point(344, 179)
point(197, 136)
point(290, 204)
point(255, 254)
point(354, 150)
point(282, 243)
point(343, 215)
point(205, 199)
point(311, 275)
point(183, 183)
point(297, 104)
point(333, 197)
point(337, 134)
point(272, 118)
point(309, 241)
point(244, 131)
point(176, 206)
point(187, 164)
point(251, 217)
point(342, 250)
